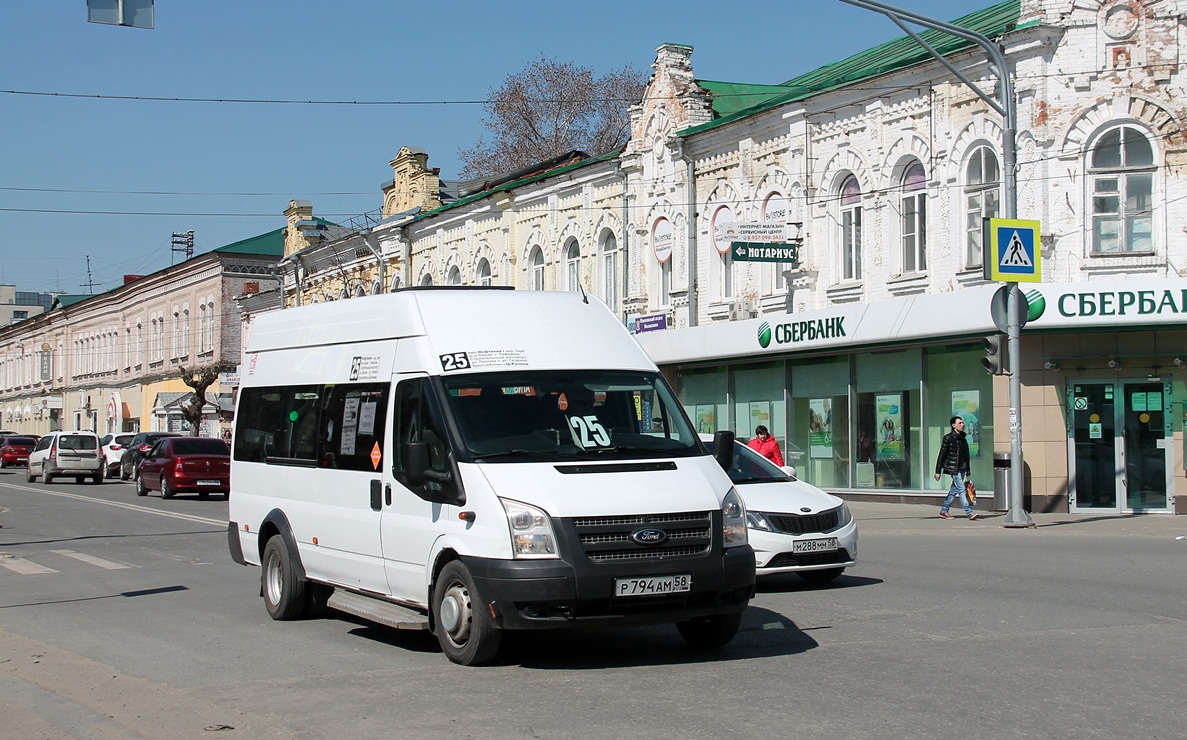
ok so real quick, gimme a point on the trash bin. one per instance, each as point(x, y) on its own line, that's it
point(1001, 481)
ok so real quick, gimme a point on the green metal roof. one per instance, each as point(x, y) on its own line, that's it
point(63, 301)
point(731, 97)
point(900, 53)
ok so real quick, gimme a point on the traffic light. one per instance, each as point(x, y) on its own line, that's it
point(995, 354)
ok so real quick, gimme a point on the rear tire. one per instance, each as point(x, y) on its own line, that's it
point(45, 476)
point(283, 589)
point(97, 478)
point(29, 477)
point(821, 576)
point(710, 633)
point(165, 492)
point(465, 631)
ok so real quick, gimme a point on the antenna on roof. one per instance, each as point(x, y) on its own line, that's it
point(581, 287)
point(90, 283)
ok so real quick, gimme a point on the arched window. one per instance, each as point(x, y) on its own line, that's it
point(573, 266)
point(982, 200)
point(482, 273)
point(610, 271)
point(359, 291)
point(914, 218)
point(723, 219)
point(454, 277)
point(427, 280)
point(395, 282)
point(536, 261)
point(851, 229)
point(176, 332)
point(1121, 177)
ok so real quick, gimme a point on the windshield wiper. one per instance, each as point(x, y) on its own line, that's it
point(759, 479)
point(513, 453)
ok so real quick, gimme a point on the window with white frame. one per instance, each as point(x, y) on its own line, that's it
point(176, 332)
point(454, 277)
point(723, 218)
point(573, 266)
point(139, 346)
point(610, 271)
point(914, 218)
point(202, 318)
point(482, 273)
point(982, 200)
point(851, 229)
point(212, 325)
point(185, 332)
point(536, 262)
point(1121, 181)
point(395, 282)
point(427, 280)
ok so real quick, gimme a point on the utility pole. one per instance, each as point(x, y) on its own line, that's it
point(90, 283)
point(184, 242)
point(1017, 516)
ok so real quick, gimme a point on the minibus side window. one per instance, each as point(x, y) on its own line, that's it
point(353, 426)
point(418, 419)
point(278, 424)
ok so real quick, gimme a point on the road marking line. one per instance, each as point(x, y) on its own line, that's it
point(118, 504)
point(108, 564)
point(22, 566)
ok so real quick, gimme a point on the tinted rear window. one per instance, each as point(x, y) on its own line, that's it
point(200, 447)
point(123, 439)
point(78, 442)
point(26, 441)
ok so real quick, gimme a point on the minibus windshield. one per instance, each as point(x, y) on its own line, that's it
point(553, 415)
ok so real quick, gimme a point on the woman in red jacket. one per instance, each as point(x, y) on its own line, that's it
point(765, 445)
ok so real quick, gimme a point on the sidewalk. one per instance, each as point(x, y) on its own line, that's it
point(925, 518)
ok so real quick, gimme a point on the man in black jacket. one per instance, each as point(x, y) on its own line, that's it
point(954, 460)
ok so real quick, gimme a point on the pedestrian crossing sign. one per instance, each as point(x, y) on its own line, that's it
point(1013, 252)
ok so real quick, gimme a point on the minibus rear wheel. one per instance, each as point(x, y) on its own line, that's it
point(466, 633)
point(284, 591)
point(710, 633)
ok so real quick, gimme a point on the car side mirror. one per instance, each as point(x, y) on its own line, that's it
point(418, 471)
point(723, 449)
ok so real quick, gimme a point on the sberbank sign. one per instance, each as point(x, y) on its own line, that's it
point(792, 332)
point(1123, 303)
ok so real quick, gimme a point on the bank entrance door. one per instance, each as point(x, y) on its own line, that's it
point(1120, 455)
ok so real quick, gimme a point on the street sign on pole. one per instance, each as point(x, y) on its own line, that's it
point(764, 252)
point(1013, 251)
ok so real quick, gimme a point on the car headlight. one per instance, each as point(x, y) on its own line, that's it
point(759, 520)
point(844, 516)
point(531, 531)
point(733, 520)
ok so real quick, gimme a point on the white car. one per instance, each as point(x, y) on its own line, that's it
point(66, 454)
point(113, 451)
point(794, 526)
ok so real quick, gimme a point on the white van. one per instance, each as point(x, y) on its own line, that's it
point(473, 460)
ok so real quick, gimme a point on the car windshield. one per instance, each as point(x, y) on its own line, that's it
point(751, 467)
point(568, 415)
point(200, 446)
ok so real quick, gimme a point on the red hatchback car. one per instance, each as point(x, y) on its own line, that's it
point(199, 465)
point(15, 450)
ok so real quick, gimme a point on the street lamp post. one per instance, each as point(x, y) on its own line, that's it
point(1017, 515)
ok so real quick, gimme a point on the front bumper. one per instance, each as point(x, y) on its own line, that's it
point(555, 594)
point(773, 551)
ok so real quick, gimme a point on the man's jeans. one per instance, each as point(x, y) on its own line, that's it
point(957, 488)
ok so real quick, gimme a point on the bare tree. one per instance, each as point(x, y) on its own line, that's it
point(551, 108)
point(199, 379)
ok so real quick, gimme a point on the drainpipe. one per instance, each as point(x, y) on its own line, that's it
point(297, 281)
point(378, 258)
point(626, 246)
point(690, 180)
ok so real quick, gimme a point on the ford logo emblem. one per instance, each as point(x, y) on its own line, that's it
point(649, 536)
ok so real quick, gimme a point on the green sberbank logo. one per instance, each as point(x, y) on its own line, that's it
point(764, 335)
point(1036, 305)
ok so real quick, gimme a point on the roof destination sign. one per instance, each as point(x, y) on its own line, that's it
point(754, 252)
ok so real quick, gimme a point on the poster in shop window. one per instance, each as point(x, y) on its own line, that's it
point(889, 417)
point(967, 405)
point(760, 413)
point(820, 427)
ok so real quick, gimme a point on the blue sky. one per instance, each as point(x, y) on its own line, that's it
point(81, 176)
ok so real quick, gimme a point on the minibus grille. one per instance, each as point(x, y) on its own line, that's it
point(791, 524)
point(608, 538)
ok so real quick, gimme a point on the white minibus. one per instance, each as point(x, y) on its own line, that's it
point(476, 460)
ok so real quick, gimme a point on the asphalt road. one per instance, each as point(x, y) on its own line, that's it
point(123, 617)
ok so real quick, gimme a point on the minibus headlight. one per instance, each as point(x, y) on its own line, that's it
point(531, 530)
point(733, 520)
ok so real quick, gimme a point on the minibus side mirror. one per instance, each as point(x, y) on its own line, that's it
point(723, 449)
point(418, 471)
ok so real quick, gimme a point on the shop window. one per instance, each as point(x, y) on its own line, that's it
point(1121, 179)
point(982, 198)
point(957, 386)
point(887, 418)
point(819, 424)
point(703, 394)
point(759, 399)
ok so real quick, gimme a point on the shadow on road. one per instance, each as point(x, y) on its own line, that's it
point(782, 583)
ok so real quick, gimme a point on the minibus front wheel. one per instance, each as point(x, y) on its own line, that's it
point(284, 590)
point(467, 635)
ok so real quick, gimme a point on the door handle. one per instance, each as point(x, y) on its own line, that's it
point(387, 494)
point(376, 495)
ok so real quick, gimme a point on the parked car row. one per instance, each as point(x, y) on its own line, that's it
point(157, 461)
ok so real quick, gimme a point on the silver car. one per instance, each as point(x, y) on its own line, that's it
point(76, 454)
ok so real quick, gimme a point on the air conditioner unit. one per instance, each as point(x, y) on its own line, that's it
point(741, 310)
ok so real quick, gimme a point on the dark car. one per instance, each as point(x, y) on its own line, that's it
point(199, 465)
point(137, 449)
point(14, 450)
